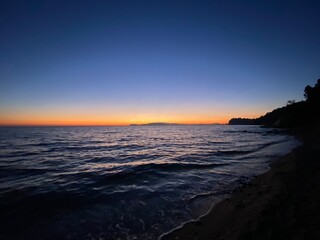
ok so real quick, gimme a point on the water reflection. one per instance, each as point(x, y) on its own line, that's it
point(122, 182)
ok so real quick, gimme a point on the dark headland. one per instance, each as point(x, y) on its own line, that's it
point(283, 203)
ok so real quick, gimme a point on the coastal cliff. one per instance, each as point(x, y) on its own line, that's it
point(294, 115)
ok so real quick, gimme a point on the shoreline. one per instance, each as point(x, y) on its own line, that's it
point(271, 206)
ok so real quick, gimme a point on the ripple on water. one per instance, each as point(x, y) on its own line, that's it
point(123, 182)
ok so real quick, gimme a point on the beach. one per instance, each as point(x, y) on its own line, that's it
point(283, 203)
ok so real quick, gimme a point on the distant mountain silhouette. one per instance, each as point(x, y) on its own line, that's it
point(242, 121)
point(293, 115)
point(155, 124)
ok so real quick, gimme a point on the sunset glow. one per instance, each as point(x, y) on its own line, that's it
point(158, 119)
point(121, 62)
point(66, 119)
point(74, 116)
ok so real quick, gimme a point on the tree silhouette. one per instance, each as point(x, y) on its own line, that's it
point(312, 94)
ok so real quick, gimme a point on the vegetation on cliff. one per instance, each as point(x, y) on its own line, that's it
point(293, 115)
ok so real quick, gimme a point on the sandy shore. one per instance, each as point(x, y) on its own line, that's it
point(283, 203)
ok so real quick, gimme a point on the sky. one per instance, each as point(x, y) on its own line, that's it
point(119, 62)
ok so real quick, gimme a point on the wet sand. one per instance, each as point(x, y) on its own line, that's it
point(283, 203)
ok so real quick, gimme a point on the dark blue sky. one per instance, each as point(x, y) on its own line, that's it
point(136, 61)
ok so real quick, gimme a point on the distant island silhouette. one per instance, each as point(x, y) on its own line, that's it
point(171, 124)
point(155, 124)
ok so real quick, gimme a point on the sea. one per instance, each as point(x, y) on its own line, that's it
point(133, 182)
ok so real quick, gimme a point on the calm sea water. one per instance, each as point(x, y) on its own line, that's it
point(123, 182)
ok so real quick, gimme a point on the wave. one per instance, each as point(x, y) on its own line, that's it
point(218, 142)
point(264, 132)
point(232, 152)
point(139, 172)
point(18, 154)
point(179, 166)
point(98, 148)
point(63, 143)
point(245, 152)
point(7, 171)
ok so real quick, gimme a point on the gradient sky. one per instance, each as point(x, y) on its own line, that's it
point(120, 62)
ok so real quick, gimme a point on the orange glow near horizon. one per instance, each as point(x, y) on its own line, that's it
point(115, 120)
point(101, 115)
point(84, 122)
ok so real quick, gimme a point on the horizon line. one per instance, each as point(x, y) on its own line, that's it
point(104, 125)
